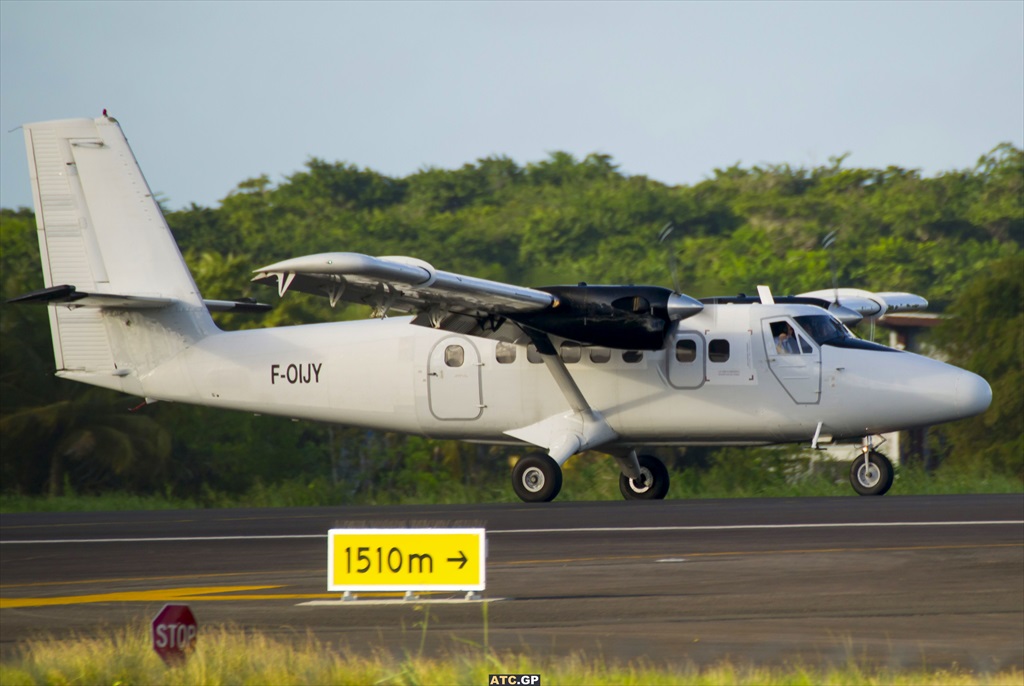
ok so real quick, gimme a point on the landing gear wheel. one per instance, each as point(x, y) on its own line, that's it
point(653, 482)
point(874, 477)
point(536, 478)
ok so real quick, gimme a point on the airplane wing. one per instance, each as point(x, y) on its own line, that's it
point(404, 284)
point(631, 317)
point(867, 304)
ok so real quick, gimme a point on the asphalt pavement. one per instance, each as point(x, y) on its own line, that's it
point(896, 581)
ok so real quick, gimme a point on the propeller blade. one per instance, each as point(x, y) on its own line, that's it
point(827, 242)
point(664, 235)
point(844, 314)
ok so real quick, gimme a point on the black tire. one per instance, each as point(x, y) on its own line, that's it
point(654, 485)
point(536, 478)
point(873, 478)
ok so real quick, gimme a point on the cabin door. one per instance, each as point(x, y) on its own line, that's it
point(453, 379)
point(686, 360)
point(794, 360)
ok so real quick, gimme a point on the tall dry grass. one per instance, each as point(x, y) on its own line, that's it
point(226, 655)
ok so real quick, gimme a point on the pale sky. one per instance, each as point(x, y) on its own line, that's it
point(212, 93)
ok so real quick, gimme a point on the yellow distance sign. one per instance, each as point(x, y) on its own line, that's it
point(406, 559)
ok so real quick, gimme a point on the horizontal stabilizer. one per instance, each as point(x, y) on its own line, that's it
point(243, 305)
point(71, 296)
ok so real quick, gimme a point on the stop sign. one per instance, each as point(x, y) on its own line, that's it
point(174, 633)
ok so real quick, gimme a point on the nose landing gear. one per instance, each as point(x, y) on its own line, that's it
point(871, 473)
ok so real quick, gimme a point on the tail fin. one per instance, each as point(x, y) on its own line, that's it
point(129, 301)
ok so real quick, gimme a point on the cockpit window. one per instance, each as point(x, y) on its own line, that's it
point(823, 328)
point(827, 330)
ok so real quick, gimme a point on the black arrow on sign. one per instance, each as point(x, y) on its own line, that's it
point(462, 559)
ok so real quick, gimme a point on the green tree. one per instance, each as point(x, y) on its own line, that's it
point(89, 441)
point(986, 335)
point(559, 220)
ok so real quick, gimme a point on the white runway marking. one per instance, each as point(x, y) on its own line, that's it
point(747, 527)
point(168, 539)
point(369, 602)
point(575, 530)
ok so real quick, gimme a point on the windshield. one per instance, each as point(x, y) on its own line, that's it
point(827, 330)
point(824, 328)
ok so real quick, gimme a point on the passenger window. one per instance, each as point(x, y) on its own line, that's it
point(804, 345)
point(505, 353)
point(532, 355)
point(454, 356)
point(632, 356)
point(718, 350)
point(570, 352)
point(599, 355)
point(686, 351)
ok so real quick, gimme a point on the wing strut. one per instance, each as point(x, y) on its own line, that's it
point(566, 384)
point(564, 435)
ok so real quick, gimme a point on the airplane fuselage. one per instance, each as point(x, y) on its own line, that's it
point(719, 379)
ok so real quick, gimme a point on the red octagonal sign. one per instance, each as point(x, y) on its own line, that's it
point(174, 633)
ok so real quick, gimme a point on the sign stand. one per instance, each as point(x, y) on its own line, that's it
point(349, 596)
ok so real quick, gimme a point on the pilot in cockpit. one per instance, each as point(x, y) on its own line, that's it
point(785, 342)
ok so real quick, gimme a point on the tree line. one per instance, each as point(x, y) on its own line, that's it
point(954, 238)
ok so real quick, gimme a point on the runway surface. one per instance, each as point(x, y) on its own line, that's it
point(898, 581)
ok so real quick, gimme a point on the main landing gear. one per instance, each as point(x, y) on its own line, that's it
point(537, 478)
point(652, 484)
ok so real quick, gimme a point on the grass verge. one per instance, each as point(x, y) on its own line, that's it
point(764, 473)
point(227, 655)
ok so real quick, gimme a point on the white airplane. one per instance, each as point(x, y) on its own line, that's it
point(617, 369)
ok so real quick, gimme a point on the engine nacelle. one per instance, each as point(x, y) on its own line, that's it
point(622, 317)
point(867, 304)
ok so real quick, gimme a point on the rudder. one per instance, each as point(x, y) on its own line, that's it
point(101, 231)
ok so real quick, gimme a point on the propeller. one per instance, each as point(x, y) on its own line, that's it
point(679, 306)
point(857, 304)
point(836, 309)
point(827, 242)
point(664, 235)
